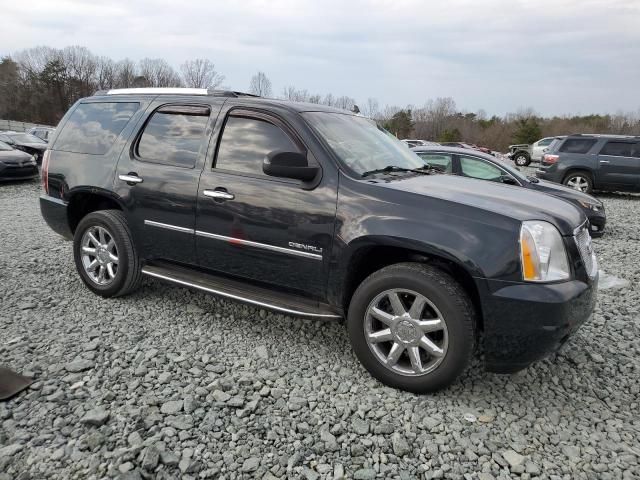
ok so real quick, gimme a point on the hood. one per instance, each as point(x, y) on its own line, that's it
point(507, 200)
point(564, 192)
point(35, 146)
point(13, 156)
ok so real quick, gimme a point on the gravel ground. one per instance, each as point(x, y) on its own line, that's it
point(169, 383)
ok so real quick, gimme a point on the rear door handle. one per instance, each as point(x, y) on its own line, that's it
point(130, 178)
point(220, 194)
point(605, 161)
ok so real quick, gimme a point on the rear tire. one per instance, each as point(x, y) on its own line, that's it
point(104, 254)
point(522, 159)
point(581, 181)
point(426, 348)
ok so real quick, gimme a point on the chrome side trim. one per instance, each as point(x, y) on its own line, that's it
point(248, 243)
point(151, 223)
point(238, 297)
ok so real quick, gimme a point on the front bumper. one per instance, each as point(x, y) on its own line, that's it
point(524, 322)
point(597, 222)
point(22, 171)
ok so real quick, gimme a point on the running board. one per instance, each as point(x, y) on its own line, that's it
point(224, 287)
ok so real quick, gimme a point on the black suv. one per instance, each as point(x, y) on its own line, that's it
point(593, 162)
point(314, 211)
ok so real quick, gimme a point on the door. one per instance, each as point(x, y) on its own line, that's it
point(262, 228)
point(540, 147)
point(617, 165)
point(158, 176)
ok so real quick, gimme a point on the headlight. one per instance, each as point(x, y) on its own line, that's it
point(542, 252)
point(33, 159)
point(591, 206)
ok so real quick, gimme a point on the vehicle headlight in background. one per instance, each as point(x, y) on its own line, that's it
point(542, 252)
point(591, 206)
point(33, 159)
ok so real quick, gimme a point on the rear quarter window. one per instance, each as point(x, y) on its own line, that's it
point(93, 127)
point(577, 145)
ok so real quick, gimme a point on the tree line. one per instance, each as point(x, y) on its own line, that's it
point(39, 84)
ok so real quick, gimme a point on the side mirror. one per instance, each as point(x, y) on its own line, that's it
point(289, 165)
point(508, 179)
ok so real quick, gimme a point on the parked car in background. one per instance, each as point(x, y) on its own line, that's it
point(43, 133)
point(313, 211)
point(523, 154)
point(470, 146)
point(486, 167)
point(16, 164)
point(416, 143)
point(26, 142)
point(588, 162)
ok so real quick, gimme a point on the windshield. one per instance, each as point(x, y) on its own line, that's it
point(4, 146)
point(26, 138)
point(360, 144)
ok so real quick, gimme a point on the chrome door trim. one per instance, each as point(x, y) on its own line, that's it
point(248, 243)
point(238, 297)
point(176, 228)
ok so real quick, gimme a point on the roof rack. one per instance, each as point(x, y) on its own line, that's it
point(173, 91)
point(599, 135)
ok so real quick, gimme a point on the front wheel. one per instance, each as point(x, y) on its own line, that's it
point(411, 326)
point(105, 256)
point(522, 159)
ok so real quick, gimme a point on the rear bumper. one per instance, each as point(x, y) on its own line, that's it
point(523, 323)
point(546, 174)
point(54, 212)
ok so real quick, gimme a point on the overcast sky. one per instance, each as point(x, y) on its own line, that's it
point(557, 56)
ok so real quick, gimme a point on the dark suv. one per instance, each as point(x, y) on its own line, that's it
point(314, 211)
point(593, 162)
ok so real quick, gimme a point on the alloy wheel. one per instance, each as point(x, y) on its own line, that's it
point(99, 255)
point(521, 161)
point(406, 332)
point(579, 183)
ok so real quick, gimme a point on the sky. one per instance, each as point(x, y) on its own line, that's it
point(556, 56)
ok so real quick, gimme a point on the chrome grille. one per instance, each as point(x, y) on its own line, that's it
point(583, 241)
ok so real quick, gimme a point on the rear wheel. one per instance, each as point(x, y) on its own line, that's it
point(580, 181)
point(411, 326)
point(104, 254)
point(522, 159)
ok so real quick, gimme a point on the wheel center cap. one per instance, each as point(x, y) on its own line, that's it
point(103, 255)
point(406, 331)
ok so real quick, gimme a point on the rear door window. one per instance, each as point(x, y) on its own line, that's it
point(93, 127)
point(617, 149)
point(246, 141)
point(439, 161)
point(577, 145)
point(174, 135)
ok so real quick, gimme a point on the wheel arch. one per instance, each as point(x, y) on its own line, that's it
point(85, 201)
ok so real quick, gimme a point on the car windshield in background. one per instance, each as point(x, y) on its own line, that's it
point(360, 144)
point(4, 146)
point(26, 138)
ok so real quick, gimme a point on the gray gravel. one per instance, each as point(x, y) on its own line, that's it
point(169, 383)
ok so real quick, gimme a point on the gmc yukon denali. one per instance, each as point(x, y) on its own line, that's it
point(316, 212)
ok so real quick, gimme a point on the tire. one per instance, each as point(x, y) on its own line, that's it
point(522, 159)
point(581, 181)
point(446, 300)
point(125, 275)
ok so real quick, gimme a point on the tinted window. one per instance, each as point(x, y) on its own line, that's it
point(577, 145)
point(93, 127)
point(246, 141)
point(439, 161)
point(618, 149)
point(476, 168)
point(173, 136)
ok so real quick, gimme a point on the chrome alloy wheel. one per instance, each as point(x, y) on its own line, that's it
point(579, 183)
point(99, 255)
point(521, 161)
point(406, 332)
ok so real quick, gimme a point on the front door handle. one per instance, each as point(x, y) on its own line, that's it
point(605, 161)
point(220, 194)
point(130, 178)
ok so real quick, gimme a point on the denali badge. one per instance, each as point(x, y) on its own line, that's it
point(308, 248)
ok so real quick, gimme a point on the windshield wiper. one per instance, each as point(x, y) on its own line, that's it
point(425, 170)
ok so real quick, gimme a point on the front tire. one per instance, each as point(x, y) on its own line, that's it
point(522, 159)
point(104, 254)
point(412, 327)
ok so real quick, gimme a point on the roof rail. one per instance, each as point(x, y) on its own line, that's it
point(173, 91)
point(599, 135)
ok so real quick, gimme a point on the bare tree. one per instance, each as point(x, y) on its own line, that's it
point(125, 73)
point(371, 108)
point(260, 85)
point(201, 73)
point(105, 73)
point(158, 73)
